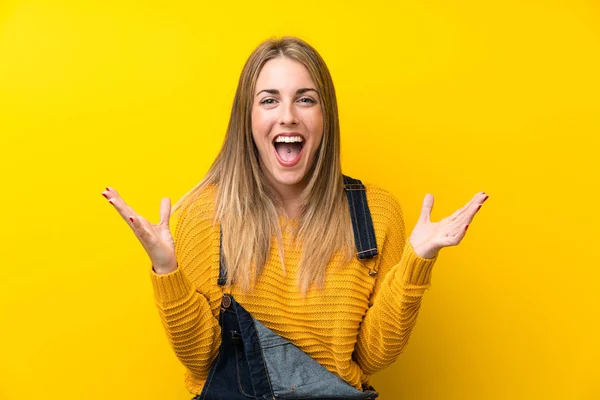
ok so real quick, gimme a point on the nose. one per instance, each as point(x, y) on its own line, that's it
point(288, 115)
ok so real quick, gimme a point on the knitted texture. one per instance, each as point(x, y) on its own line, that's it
point(356, 326)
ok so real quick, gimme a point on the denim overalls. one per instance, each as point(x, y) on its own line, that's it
point(256, 363)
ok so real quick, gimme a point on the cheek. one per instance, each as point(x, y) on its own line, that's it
point(260, 132)
point(254, 122)
point(261, 123)
point(316, 127)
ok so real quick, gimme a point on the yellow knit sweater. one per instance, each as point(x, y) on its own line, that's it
point(357, 326)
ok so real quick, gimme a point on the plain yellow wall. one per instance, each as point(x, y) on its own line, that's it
point(435, 96)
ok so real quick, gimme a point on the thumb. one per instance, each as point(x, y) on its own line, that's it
point(427, 206)
point(165, 211)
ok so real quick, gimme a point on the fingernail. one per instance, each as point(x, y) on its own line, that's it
point(486, 197)
point(466, 227)
point(478, 207)
point(108, 189)
point(131, 219)
point(110, 201)
point(104, 194)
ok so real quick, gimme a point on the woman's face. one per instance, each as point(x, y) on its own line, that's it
point(287, 122)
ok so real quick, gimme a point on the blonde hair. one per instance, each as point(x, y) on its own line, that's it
point(247, 206)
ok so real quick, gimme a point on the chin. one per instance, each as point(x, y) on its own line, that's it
point(289, 178)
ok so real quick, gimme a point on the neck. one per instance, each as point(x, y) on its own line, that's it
point(290, 197)
point(291, 200)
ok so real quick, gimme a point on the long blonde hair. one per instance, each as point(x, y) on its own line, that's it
point(247, 206)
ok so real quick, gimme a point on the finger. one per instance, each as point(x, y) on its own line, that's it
point(464, 219)
point(110, 194)
point(474, 199)
point(479, 198)
point(138, 224)
point(463, 223)
point(427, 207)
point(113, 197)
point(143, 232)
point(165, 211)
point(467, 216)
point(119, 204)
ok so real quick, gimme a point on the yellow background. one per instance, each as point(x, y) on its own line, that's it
point(436, 96)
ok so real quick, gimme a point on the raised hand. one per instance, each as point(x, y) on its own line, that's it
point(156, 239)
point(428, 238)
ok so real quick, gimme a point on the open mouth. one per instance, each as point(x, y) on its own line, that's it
point(288, 149)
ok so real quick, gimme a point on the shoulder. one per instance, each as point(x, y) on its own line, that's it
point(386, 210)
point(197, 238)
point(196, 211)
point(382, 200)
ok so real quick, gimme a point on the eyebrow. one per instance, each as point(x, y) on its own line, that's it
point(299, 91)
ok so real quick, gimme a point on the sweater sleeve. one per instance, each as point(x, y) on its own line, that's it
point(403, 277)
point(185, 312)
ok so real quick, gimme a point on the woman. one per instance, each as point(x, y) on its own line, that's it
point(287, 279)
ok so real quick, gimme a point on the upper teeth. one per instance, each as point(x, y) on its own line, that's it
point(288, 139)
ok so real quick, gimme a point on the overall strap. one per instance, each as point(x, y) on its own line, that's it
point(362, 225)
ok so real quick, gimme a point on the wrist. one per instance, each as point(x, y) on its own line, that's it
point(425, 252)
point(164, 270)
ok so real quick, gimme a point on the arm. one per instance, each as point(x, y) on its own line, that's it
point(403, 277)
point(404, 274)
point(185, 312)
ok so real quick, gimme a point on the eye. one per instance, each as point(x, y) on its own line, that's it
point(307, 100)
point(268, 101)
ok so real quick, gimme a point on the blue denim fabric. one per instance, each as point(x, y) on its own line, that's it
point(295, 375)
point(256, 363)
point(239, 371)
point(362, 224)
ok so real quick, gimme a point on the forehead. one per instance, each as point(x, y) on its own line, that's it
point(283, 73)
